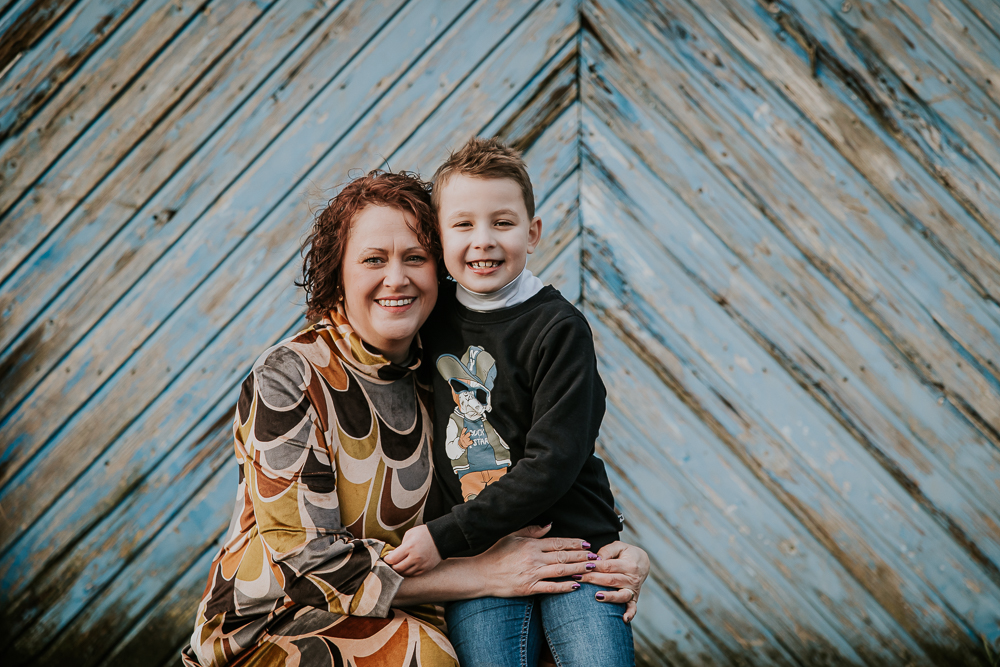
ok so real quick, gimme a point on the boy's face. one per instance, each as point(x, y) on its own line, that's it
point(486, 234)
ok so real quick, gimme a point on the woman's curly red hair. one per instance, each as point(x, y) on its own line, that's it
point(323, 250)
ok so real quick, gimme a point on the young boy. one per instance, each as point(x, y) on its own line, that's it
point(518, 405)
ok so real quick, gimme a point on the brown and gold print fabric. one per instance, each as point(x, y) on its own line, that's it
point(333, 446)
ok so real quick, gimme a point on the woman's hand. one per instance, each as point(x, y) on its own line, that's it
point(622, 566)
point(523, 562)
point(518, 565)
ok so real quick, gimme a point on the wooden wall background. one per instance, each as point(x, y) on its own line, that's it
point(781, 218)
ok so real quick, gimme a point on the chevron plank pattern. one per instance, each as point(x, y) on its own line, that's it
point(781, 219)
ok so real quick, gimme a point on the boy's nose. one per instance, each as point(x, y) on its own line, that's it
point(483, 238)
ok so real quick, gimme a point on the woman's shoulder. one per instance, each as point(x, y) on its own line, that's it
point(292, 356)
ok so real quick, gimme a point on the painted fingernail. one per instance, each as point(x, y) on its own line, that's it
point(593, 557)
point(578, 577)
point(586, 545)
point(576, 586)
point(599, 596)
point(591, 566)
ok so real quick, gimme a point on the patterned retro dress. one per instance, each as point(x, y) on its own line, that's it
point(333, 443)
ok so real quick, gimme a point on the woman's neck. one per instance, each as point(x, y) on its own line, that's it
point(520, 289)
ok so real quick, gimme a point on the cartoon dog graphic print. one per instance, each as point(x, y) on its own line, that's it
point(478, 454)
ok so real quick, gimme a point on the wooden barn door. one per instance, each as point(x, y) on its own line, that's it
point(782, 220)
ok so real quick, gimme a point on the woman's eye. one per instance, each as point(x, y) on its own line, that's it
point(372, 260)
point(416, 259)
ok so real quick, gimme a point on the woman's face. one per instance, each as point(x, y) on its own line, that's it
point(389, 280)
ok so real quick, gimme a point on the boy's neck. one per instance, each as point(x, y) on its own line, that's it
point(520, 289)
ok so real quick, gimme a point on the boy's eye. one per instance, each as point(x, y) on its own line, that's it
point(504, 223)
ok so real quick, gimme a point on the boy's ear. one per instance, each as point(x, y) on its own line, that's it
point(534, 233)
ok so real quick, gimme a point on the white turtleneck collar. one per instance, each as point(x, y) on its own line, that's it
point(520, 289)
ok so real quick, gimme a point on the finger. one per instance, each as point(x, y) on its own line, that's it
point(535, 532)
point(611, 551)
point(630, 611)
point(620, 596)
point(610, 579)
point(560, 570)
point(563, 557)
point(564, 544)
point(551, 587)
point(393, 557)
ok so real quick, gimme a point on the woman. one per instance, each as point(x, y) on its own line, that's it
point(333, 441)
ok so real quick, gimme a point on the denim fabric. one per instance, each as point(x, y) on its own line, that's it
point(508, 632)
point(495, 632)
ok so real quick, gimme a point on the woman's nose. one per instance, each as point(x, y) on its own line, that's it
point(395, 275)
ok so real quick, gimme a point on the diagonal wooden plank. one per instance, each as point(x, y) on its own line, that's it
point(921, 455)
point(848, 125)
point(917, 330)
point(155, 193)
point(672, 325)
point(245, 201)
point(96, 558)
point(68, 39)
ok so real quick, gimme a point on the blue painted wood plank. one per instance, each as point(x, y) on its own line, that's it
point(71, 243)
point(95, 632)
point(195, 197)
point(925, 452)
point(157, 637)
point(109, 82)
point(915, 90)
point(101, 482)
point(863, 527)
point(54, 58)
point(22, 24)
point(733, 523)
point(846, 123)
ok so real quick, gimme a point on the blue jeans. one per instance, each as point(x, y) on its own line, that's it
point(508, 632)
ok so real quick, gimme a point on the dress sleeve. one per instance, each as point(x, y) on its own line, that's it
point(567, 404)
point(291, 482)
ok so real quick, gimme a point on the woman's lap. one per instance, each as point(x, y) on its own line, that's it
point(508, 632)
point(318, 638)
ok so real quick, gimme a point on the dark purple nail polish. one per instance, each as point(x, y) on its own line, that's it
point(593, 557)
point(586, 545)
point(591, 566)
point(576, 586)
point(600, 596)
point(578, 577)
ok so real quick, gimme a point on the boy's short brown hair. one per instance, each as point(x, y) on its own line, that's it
point(485, 158)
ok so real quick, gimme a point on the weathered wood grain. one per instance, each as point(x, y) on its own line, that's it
point(159, 189)
point(67, 580)
point(735, 526)
point(95, 632)
point(47, 62)
point(22, 24)
point(210, 243)
point(159, 635)
point(809, 478)
point(965, 502)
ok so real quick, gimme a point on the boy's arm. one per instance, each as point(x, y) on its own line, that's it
point(567, 408)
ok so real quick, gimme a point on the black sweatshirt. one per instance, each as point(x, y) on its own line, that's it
point(534, 368)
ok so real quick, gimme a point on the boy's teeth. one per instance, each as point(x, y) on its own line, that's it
point(395, 302)
point(485, 265)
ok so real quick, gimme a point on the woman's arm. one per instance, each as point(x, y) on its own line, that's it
point(622, 566)
point(519, 564)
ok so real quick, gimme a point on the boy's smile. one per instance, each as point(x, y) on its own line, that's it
point(486, 234)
